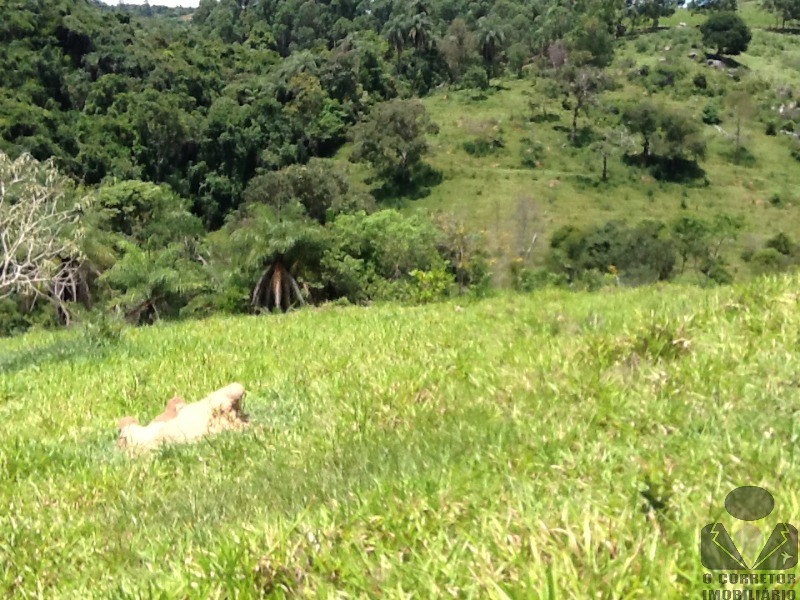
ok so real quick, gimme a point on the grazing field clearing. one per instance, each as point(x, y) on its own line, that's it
point(550, 445)
point(531, 180)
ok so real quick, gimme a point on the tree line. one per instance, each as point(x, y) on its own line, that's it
point(191, 158)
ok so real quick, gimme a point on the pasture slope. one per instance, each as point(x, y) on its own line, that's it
point(545, 446)
point(532, 180)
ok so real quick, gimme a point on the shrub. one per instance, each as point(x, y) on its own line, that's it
point(12, 320)
point(483, 146)
point(717, 272)
point(664, 75)
point(370, 257)
point(533, 153)
point(525, 279)
point(776, 200)
point(768, 260)
point(430, 286)
point(102, 330)
point(795, 151)
point(475, 78)
point(711, 115)
point(700, 81)
point(782, 244)
point(771, 128)
point(642, 253)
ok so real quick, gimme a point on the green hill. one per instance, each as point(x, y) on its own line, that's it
point(549, 445)
point(513, 202)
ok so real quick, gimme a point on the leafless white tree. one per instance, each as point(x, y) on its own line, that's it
point(33, 220)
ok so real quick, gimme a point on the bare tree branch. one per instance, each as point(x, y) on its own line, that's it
point(32, 226)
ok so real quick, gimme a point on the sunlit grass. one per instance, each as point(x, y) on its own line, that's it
point(484, 449)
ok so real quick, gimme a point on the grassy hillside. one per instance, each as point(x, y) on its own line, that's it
point(511, 202)
point(503, 448)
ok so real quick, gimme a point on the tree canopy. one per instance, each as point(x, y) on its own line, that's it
point(726, 32)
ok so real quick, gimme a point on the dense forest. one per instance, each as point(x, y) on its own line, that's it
point(192, 155)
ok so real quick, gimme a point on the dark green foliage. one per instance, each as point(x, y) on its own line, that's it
point(646, 252)
point(680, 137)
point(145, 213)
point(711, 115)
point(142, 250)
point(714, 5)
point(642, 253)
point(771, 128)
point(768, 260)
point(643, 118)
point(795, 151)
point(664, 76)
point(525, 279)
point(726, 32)
point(782, 244)
point(593, 42)
point(460, 49)
point(320, 187)
point(779, 254)
point(672, 140)
point(784, 10)
point(370, 257)
point(17, 315)
point(700, 81)
point(475, 78)
point(700, 244)
point(393, 140)
point(653, 10)
point(483, 146)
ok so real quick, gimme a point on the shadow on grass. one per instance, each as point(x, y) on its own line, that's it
point(584, 137)
point(671, 169)
point(786, 30)
point(53, 353)
point(741, 157)
point(729, 62)
point(395, 194)
point(545, 118)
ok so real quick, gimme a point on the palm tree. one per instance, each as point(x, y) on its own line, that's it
point(149, 280)
point(419, 7)
point(420, 31)
point(275, 247)
point(491, 41)
point(396, 31)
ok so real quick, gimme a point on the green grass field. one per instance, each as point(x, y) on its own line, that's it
point(493, 449)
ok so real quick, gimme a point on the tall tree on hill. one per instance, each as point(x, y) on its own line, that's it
point(279, 231)
point(459, 47)
point(581, 85)
point(396, 31)
point(727, 32)
point(653, 10)
point(492, 41)
point(744, 109)
point(420, 31)
point(643, 118)
point(393, 139)
point(784, 10)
